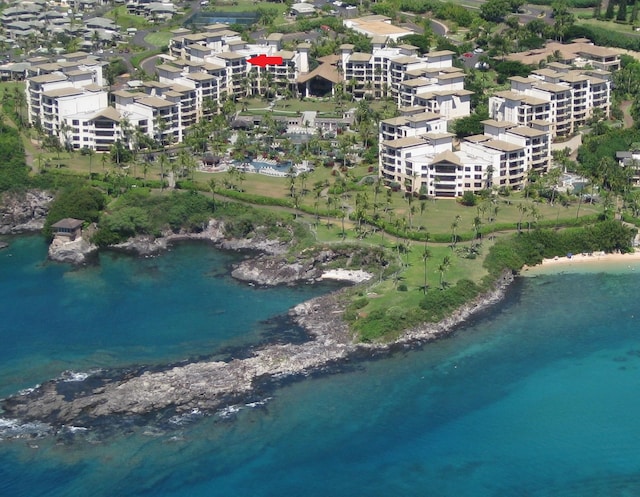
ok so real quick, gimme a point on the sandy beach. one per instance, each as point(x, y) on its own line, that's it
point(591, 262)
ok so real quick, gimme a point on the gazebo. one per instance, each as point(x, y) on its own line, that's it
point(68, 227)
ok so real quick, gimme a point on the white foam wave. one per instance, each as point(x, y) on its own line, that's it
point(27, 391)
point(185, 417)
point(259, 402)
point(70, 375)
point(229, 411)
point(13, 428)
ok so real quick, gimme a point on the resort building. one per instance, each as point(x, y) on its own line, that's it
point(417, 155)
point(581, 53)
point(564, 97)
point(630, 159)
point(58, 90)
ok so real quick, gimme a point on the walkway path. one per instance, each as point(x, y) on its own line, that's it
point(625, 107)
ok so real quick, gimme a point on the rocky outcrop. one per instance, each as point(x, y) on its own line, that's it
point(24, 211)
point(214, 232)
point(211, 385)
point(270, 271)
point(72, 251)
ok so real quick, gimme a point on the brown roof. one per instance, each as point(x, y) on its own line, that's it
point(330, 59)
point(108, 113)
point(447, 156)
point(324, 71)
point(68, 223)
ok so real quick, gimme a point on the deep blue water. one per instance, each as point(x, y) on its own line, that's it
point(539, 397)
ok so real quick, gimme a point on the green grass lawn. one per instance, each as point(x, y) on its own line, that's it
point(159, 39)
point(125, 20)
point(625, 29)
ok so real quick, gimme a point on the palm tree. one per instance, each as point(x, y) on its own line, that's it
point(163, 159)
point(443, 267)
point(90, 152)
point(454, 228)
point(477, 222)
point(426, 254)
point(213, 184)
point(523, 209)
point(146, 165)
point(20, 101)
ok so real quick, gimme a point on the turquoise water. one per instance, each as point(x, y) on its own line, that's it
point(539, 397)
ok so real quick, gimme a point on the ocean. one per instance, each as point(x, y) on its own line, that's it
point(538, 396)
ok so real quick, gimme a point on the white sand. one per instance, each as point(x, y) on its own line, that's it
point(356, 276)
point(593, 262)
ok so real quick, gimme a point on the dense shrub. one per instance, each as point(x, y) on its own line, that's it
point(14, 172)
point(83, 203)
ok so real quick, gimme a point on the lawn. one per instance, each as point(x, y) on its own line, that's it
point(245, 6)
point(624, 29)
point(159, 39)
point(125, 20)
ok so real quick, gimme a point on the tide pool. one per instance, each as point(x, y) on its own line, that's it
point(537, 397)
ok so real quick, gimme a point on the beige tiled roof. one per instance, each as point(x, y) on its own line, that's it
point(109, 113)
point(360, 57)
point(447, 156)
point(63, 92)
point(199, 76)
point(49, 78)
point(395, 121)
point(503, 146)
point(527, 131)
point(168, 68)
point(424, 116)
point(440, 53)
point(409, 141)
point(155, 102)
point(498, 124)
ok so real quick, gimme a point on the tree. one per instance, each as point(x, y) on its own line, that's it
point(164, 160)
point(213, 184)
point(443, 267)
point(426, 254)
point(622, 11)
point(472, 124)
point(454, 228)
point(477, 223)
point(496, 10)
point(563, 19)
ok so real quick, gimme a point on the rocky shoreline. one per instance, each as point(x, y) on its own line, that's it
point(213, 385)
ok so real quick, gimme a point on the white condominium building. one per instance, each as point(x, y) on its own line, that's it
point(417, 156)
point(564, 97)
point(56, 90)
point(430, 80)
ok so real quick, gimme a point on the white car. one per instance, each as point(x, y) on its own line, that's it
point(478, 50)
